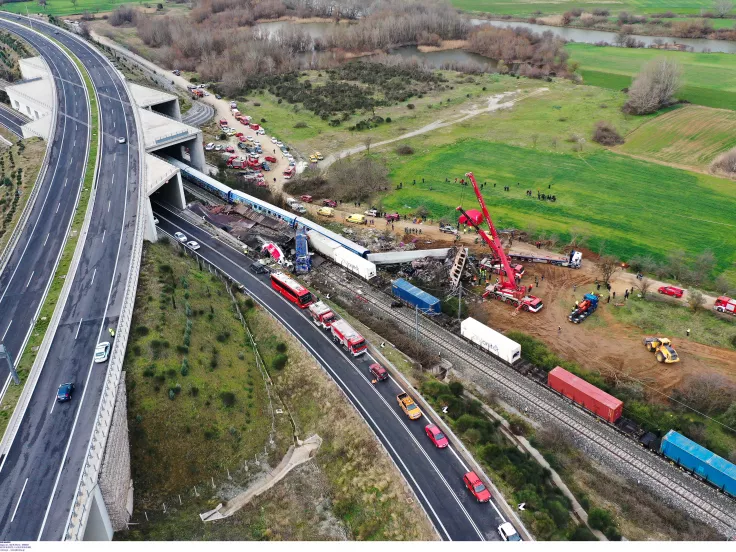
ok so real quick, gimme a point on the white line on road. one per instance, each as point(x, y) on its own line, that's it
point(65, 181)
point(19, 498)
point(103, 235)
point(6, 331)
point(31, 278)
point(93, 277)
point(108, 206)
point(112, 180)
point(47, 239)
point(2, 394)
point(53, 404)
point(57, 206)
point(78, 328)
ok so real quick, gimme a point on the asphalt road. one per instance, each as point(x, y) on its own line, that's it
point(434, 474)
point(25, 278)
point(12, 120)
point(40, 474)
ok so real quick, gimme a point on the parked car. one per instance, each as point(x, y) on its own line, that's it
point(356, 219)
point(65, 392)
point(193, 245)
point(233, 105)
point(447, 229)
point(210, 146)
point(329, 203)
point(371, 212)
point(218, 147)
point(181, 237)
point(265, 166)
point(258, 268)
point(325, 211)
point(508, 533)
point(230, 149)
point(260, 131)
point(274, 141)
point(102, 352)
point(280, 144)
point(476, 487)
point(218, 96)
point(378, 372)
point(318, 155)
point(306, 198)
point(393, 216)
point(436, 436)
point(271, 159)
point(312, 159)
point(672, 291)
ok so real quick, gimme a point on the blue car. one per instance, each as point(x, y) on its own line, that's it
point(65, 392)
point(265, 166)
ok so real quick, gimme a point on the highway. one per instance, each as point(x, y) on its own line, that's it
point(12, 120)
point(39, 476)
point(434, 474)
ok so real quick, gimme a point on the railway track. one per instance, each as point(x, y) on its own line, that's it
point(714, 508)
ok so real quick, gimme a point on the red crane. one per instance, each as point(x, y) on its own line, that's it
point(507, 289)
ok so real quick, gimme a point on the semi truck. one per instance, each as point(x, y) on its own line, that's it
point(583, 310)
point(343, 334)
point(322, 315)
point(573, 260)
point(490, 340)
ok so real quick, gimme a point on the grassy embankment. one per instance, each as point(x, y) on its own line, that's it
point(530, 7)
point(219, 418)
point(28, 356)
point(709, 79)
point(690, 135)
point(23, 158)
point(67, 7)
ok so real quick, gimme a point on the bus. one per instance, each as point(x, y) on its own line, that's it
point(291, 289)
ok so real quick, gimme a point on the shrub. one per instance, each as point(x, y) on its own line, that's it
point(410, 106)
point(281, 347)
point(456, 388)
point(249, 304)
point(388, 120)
point(582, 533)
point(142, 331)
point(606, 135)
point(600, 519)
point(405, 149)
point(725, 162)
point(194, 391)
point(172, 395)
point(300, 124)
point(184, 367)
point(228, 398)
point(279, 361)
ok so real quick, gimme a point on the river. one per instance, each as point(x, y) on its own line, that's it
point(591, 36)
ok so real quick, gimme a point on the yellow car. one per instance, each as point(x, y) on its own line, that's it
point(356, 219)
point(325, 211)
point(318, 155)
point(312, 159)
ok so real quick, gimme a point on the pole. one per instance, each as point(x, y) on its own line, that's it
point(459, 300)
point(5, 355)
point(416, 323)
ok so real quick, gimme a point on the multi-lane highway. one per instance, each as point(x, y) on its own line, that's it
point(435, 475)
point(40, 474)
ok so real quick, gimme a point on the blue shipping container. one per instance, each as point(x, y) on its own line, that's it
point(699, 460)
point(415, 296)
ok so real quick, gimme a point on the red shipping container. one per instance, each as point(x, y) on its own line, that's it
point(585, 394)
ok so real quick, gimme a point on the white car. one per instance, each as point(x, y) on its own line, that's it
point(280, 144)
point(210, 146)
point(181, 237)
point(193, 245)
point(249, 138)
point(274, 141)
point(508, 533)
point(260, 131)
point(447, 229)
point(372, 212)
point(121, 140)
point(219, 147)
point(233, 105)
point(102, 352)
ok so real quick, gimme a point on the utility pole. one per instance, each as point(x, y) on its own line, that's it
point(5, 355)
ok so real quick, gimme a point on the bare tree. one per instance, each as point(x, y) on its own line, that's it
point(723, 286)
point(607, 265)
point(726, 162)
point(722, 7)
point(695, 299)
point(709, 393)
point(534, 138)
point(367, 140)
point(74, 2)
point(578, 236)
point(655, 86)
point(643, 287)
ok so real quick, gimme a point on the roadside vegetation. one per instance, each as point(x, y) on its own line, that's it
point(199, 411)
point(11, 50)
point(67, 7)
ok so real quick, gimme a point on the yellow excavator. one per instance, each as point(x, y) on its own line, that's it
point(662, 348)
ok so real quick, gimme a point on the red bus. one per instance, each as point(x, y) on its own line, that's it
point(291, 289)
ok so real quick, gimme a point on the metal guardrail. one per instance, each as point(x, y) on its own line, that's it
point(173, 136)
point(93, 463)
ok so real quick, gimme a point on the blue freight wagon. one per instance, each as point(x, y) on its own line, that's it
point(415, 296)
point(702, 462)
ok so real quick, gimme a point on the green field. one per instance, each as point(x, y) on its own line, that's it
point(708, 79)
point(635, 207)
point(692, 135)
point(529, 7)
point(67, 7)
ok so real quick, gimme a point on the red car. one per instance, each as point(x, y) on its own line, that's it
point(436, 436)
point(393, 216)
point(672, 291)
point(476, 487)
point(271, 159)
point(329, 203)
point(306, 198)
point(230, 149)
point(378, 372)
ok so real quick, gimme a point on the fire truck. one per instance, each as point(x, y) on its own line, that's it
point(350, 340)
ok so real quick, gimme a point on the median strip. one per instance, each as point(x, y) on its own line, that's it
point(29, 354)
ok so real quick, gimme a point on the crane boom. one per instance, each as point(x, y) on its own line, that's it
point(494, 242)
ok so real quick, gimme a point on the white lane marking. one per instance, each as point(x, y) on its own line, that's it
point(78, 328)
point(108, 206)
point(57, 206)
point(65, 181)
point(380, 397)
point(31, 278)
point(466, 468)
point(103, 235)
point(6, 331)
point(2, 394)
point(47, 239)
point(19, 498)
point(53, 404)
point(75, 142)
point(93, 277)
point(112, 180)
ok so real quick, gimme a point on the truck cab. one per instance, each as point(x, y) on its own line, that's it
point(408, 405)
point(322, 315)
